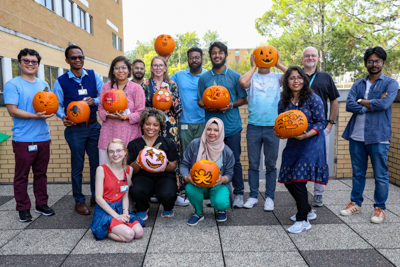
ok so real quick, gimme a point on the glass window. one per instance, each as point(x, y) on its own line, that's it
point(81, 18)
point(119, 44)
point(114, 40)
point(72, 10)
point(62, 8)
point(91, 24)
point(48, 3)
point(237, 53)
point(15, 68)
point(50, 75)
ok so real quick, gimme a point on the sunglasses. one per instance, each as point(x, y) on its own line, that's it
point(74, 58)
point(27, 61)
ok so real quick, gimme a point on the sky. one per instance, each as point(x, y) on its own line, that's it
point(234, 20)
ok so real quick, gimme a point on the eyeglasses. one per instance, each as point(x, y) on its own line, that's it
point(117, 68)
point(307, 56)
point(118, 151)
point(158, 66)
point(74, 58)
point(27, 61)
point(377, 62)
point(196, 57)
point(299, 78)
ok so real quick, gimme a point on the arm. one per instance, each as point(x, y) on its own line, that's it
point(139, 101)
point(351, 104)
point(229, 164)
point(99, 86)
point(241, 101)
point(15, 112)
point(176, 100)
point(133, 157)
point(332, 113)
point(316, 107)
point(125, 199)
point(245, 80)
point(187, 159)
point(60, 95)
point(385, 100)
point(102, 112)
point(279, 64)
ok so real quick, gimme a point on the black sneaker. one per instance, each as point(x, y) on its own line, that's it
point(24, 216)
point(45, 210)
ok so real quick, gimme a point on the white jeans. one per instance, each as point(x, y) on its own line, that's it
point(319, 189)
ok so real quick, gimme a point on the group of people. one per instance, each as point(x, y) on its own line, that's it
point(189, 131)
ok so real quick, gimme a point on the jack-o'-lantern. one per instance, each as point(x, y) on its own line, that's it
point(164, 45)
point(45, 101)
point(115, 101)
point(204, 173)
point(152, 159)
point(265, 56)
point(216, 96)
point(291, 123)
point(78, 112)
point(162, 99)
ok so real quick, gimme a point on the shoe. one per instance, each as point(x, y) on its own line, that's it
point(167, 214)
point(238, 202)
point(251, 202)
point(269, 204)
point(24, 216)
point(317, 201)
point(82, 209)
point(221, 216)
point(45, 210)
point(209, 203)
point(153, 200)
point(180, 201)
point(142, 215)
point(350, 209)
point(299, 227)
point(195, 219)
point(92, 202)
point(310, 216)
point(378, 216)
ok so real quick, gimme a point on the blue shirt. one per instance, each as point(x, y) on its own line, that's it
point(378, 121)
point(20, 92)
point(187, 84)
point(230, 80)
point(60, 93)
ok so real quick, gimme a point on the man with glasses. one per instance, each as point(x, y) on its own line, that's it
point(369, 131)
point(31, 135)
point(323, 85)
point(138, 71)
point(75, 85)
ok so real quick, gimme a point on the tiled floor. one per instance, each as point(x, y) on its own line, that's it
point(250, 237)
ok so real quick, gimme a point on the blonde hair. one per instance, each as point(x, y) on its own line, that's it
point(119, 141)
point(165, 75)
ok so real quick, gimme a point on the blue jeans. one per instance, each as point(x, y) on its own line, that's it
point(378, 153)
point(233, 142)
point(256, 137)
point(80, 138)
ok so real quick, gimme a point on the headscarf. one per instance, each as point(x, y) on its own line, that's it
point(212, 150)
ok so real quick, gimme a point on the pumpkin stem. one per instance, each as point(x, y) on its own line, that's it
point(46, 89)
point(157, 146)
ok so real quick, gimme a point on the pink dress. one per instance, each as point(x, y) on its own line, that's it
point(125, 130)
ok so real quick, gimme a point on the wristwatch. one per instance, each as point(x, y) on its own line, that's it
point(231, 106)
point(359, 100)
point(331, 122)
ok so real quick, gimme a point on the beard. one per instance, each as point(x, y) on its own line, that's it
point(138, 75)
point(195, 67)
point(374, 70)
point(218, 65)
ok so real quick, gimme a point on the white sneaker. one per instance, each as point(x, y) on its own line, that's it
point(153, 200)
point(299, 227)
point(251, 202)
point(310, 216)
point(269, 204)
point(180, 201)
point(238, 202)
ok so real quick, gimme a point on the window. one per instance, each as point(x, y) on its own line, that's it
point(114, 40)
point(119, 44)
point(117, 1)
point(50, 75)
point(237, 53)
point(105, 79)
point(62, 8)
point(48, 3)
point(72, 10)
point(81, 18)
point(91, 24)
point(15, 68)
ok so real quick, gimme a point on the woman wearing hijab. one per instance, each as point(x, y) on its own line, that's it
point(211, 147)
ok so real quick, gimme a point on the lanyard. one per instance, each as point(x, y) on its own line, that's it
point(152, 84)
point(313, 77)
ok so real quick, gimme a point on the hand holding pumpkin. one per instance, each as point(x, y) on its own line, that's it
point(116, 115)
point(67, 122)
point(89, 100)
point(228, 107)
point(42, 115)
point(220, 180)
point(302, 136)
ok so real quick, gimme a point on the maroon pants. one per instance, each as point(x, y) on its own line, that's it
point(39, 161)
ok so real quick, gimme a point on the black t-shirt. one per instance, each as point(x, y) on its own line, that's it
point(167, 145)
point(324, 87)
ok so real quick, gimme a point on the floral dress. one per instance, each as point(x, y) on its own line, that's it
point(172, 116)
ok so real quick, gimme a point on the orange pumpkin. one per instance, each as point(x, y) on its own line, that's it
point(115, 101)
point(164, 45)
point(216, 96)
point(265, 56)
point(152, 159)
point(291, 123)
point(78, 112)
point(45, 101)
point(162, 99)
point(204, 173)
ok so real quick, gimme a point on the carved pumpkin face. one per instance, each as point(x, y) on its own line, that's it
point(204, 173)
point(78, 112)
point(115, 101)
point(45, 101)
point(216, 97)
point(291, 123)
point(164, 45)
point(152, 159)
point(265, 56)
point(162, 99)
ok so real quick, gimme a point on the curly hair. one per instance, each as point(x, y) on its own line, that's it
point(119, 141)
point(287, 94)
point(152, 112)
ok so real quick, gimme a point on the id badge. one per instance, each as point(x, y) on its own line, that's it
point(126, 112)
point(184, 127)
point(124, 188)
point(32, 148)
point(82, 91)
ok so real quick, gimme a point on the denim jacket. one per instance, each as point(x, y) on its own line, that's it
point(378, 121)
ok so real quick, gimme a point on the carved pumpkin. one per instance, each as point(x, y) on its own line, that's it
point(115, 101)
point(265, 56)
point(162, 99)
point(164, 45)
point(216, 97)
point(204, 173)
point(45, 101)
point(78, 112)
point(291, 123)
point(152, 159)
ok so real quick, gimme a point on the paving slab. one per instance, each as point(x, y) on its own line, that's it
point(255, 238)
point(341, 198)
point(369, 183)
point(9, 220)
point(392, 255)
point(182, 215)
point(7, 190)
point(379, 235)
point(324, 215)
point(284, 198)
point(184, 259)
point(63, 219)
point(59, 189)
point(67, 202)
point(364, 216)
point(5, 199)
point(7, 235)
point(328, 237)
point(96, 260)
point(333, 185)
point(393, 198)
point(32, 260)
point(270, 259)
point(393, 208)
point(85, 189)
point(10, 205)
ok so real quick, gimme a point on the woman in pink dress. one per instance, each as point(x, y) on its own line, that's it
point(122, 125)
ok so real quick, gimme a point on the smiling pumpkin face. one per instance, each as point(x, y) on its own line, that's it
point(291, 123)
point(45, 101)
point(265, 56)
point(152, 159)
point(164, 45)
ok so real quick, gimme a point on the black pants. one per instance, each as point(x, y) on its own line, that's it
point(298, 190)
point(143, 188)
